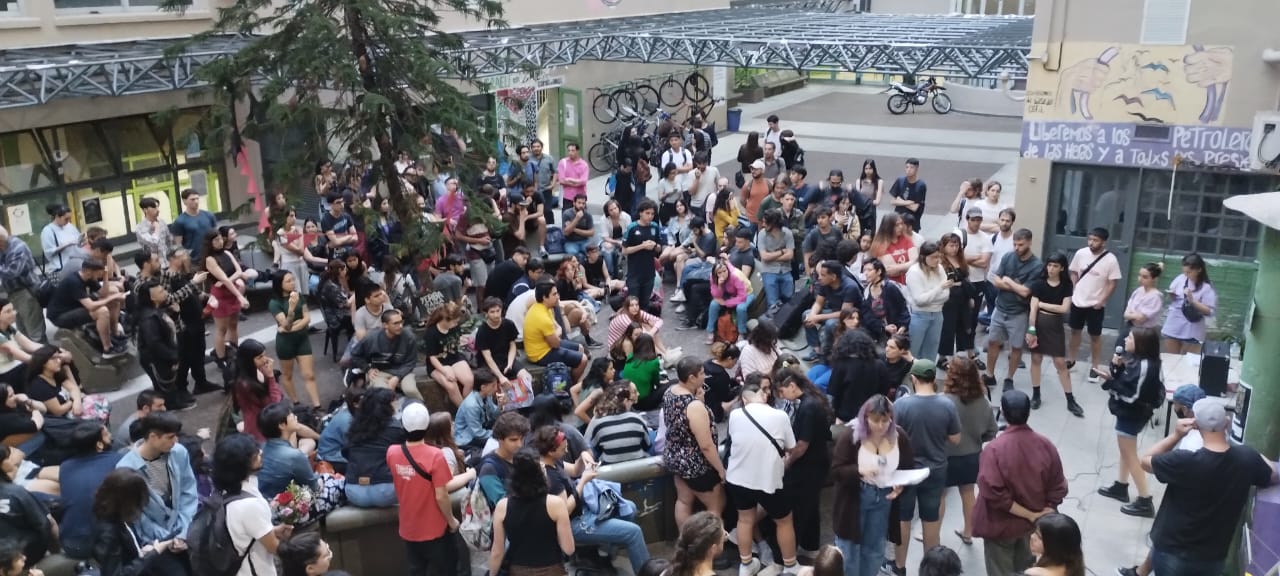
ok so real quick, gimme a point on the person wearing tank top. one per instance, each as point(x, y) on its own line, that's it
point(531, 529)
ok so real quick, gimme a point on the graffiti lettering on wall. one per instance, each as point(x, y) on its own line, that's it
point(1134, 83)
point(1115, 144)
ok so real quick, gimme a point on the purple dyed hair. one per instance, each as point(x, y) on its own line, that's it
point(877, 404)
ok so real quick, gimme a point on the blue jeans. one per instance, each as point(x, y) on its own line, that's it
point(926, 333)
point(820, 375)
point(372, 496)
point(615, 532)
point(1165, 563)
point(778, 286)
point(865, 558)
point(819, 338)
point(611, 258)
point(575, 247)
point(713, 314)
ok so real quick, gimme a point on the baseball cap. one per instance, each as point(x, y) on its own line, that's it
point(757, 164)
point(1188, 394)
point(924, 369)
point(415, 417)
point(974, 211)
point(1211, 415)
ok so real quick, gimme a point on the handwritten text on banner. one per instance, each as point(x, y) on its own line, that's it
point(1114, 144)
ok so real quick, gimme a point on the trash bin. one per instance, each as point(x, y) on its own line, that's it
point(734, 119)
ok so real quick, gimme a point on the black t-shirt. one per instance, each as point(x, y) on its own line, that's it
point(1206, 492)
point(433, 344)
point(559, 483)
point(14, 422)
point(1050, 294)
point(23, 519)
point(741, 259)
point(41, 390)
point(719, 387)
point(643, 261)
point(912, 191)
point(502, 278)
point(339, 225)
point(594, 272)
point(67, 294)
point(810, 424)
point(496, 340)
point(847, 292)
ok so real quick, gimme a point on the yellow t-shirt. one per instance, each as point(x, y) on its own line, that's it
point(539, 323)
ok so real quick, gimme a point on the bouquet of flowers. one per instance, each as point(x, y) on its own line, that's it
point(293, 505)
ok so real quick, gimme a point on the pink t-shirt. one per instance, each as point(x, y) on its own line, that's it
point(575, 171)
point(1091, 289)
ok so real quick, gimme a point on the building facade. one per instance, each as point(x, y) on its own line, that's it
point(1119, 95)
point(100, 155)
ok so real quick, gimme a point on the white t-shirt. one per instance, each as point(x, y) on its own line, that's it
point(1090, 289)
point(990, 212)
point(754, 463)
point(680, 158)
point(704, 194)
point(517, 309)
point(249, 519)
point(979, 243)
point(999, 247)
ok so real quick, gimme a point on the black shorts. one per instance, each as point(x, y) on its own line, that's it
point(704, 483)
point(1091, 316)
point(72, 319)
point(775, 505)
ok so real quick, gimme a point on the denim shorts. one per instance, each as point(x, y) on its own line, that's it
point(1129, 428)
point(927, 494)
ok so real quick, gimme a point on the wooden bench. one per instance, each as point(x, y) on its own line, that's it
point(776, 82)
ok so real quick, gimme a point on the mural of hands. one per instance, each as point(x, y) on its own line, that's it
point(1080, 80)
point(1210, 69)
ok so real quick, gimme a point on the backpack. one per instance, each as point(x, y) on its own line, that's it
point(477, 518)
point(556, 378)
point(213, 553)
point(554, 242)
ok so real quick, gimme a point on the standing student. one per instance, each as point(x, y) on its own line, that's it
point(977, 427)
point(1095, 272)
point(1013, 277)
point(929, 288)
point(293, 338)
point(868, 450)
point(809, 462)
point(421, 477)
point(531, 528)
point(762, 437)
point(1046, 335)
point(908, 192)
point(1137, 388)
point(692, 451)
point(1192, 300)
point(193, 224)
point(642, 244)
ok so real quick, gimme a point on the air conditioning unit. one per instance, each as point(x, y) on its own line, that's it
point(1264, 145)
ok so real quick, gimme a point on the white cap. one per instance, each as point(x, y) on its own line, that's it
point(415, 417)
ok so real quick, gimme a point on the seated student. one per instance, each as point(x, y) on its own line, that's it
point(52, 383)
point(21, 416)
point(509, 431)
point(449, 281)
point(596, 270)
point(16, 348)
point(388, 356)
point(544, 337)
point(334, 436)
point(23, 517)
point(644, 369)
point(284, 462)
point(166, 463)
point(517, 309)
point(477, 413)
point(532, 274)
point(305, 554)
point(74, 305)
point(147, 401)
point(78, 477)
point(496, 343)
point(617, 433)
point(440, 435)
point(448, 366)
point(588, 392)
point(505, 275)
point(376, 427)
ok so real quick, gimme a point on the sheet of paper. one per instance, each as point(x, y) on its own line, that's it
point(908, 477)
point(19, 218)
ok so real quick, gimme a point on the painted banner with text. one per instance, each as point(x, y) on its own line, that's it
point(1115, 144)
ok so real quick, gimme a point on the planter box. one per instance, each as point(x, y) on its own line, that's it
point(752, 95)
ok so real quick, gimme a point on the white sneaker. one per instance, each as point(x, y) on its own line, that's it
point(733, 536)
point(679, 308)
point(678, 296)
point(751, 568)
point(765, 553)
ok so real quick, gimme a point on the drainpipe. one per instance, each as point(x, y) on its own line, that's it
point(1272, 56)
point(1006, 86)
point(1260, 390)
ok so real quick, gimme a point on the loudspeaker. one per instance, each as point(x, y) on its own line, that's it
point(1215, 361)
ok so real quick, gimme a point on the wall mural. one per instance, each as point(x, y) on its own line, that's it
point(1134, 83)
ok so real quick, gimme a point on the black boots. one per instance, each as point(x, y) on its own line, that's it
point(1116, 491)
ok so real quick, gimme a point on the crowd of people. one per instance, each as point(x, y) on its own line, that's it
point(891, 403)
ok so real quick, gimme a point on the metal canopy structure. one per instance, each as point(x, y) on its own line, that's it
point(804, 37)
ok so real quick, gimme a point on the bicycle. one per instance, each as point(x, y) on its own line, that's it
point(695, 88)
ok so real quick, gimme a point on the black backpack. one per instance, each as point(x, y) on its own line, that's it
point(213, 553)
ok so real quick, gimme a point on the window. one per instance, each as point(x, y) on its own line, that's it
point(1092, 197)
point(189, 138)
point(999, 7)
point(134, 143)
point(22, 164)
point(1200, 223)
point(93, 5)
point(10, 8)
point(1165, 21)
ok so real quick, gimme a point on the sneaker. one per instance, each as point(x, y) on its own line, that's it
point(1074, 408)
point(1035, 400)
point(1116, 491)
point(1071, 364)
point(205, 388)
point(183, 405)
point(727, 559)
point(892, 569)
point(594, 344)
point(1140, 507)
point(679, 308)
point(1008, 384)
point(711, 339)
point(678, 296)
point(980, 364)
point(115, 351)
point(1094, 378)
point(1127, 571)
point(989, 381)
point(750, 568)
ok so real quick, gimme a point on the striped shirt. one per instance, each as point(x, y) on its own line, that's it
point(619, 437)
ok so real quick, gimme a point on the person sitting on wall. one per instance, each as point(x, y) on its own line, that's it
point(78, 301)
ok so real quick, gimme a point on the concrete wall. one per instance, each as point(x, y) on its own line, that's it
point(912, 6)
point(986, 101)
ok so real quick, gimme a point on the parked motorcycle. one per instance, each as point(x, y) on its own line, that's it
point(905, 97)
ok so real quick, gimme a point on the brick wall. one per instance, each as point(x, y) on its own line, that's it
point(1232, 279)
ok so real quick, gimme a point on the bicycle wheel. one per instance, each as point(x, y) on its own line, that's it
point(647, 94)
point(626, 102)
point(697, 88)
point(897, 104)
point(941, 103)
point(600, 158)
point(671, 92)
point(604, 108)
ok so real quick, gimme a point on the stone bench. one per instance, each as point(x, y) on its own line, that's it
point(776, 82)
point(96, 373)
point(436, 399)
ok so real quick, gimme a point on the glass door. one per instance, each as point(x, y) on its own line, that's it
point(1087, 197)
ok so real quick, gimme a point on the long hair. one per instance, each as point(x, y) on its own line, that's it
point(449, 312)
point(811, 392)
point(247, 371)
point(841, 328)
point(963, 380)
point(643, 349)
point(940, 561)
point(1060, 537)
point(764, 337)
point(698, 536)
point(878, 405)
point(546, 411)
point(875, 172)
point(614, 400)
point(277, 283)
point(1196, 262)
point(233, 462)
point(207, 249)
point(1064, 276)
point(35, 366)
point(597, 374)
point(927, 249)
point(722, 200)
point(440, 435)
point(886, 234)
point(1146, 342)
point(121, 496)
point(856, 344)
point(948, 239)
point(527, 480)
point(375, 414)
point(753, 142)
point(333, 271)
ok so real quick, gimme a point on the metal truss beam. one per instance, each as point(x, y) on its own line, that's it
point(808, 37)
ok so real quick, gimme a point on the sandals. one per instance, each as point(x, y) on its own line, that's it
point(967, 541)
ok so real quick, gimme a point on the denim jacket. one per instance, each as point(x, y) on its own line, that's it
point(160, 521)
point(281, 464)
point(475, 420)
